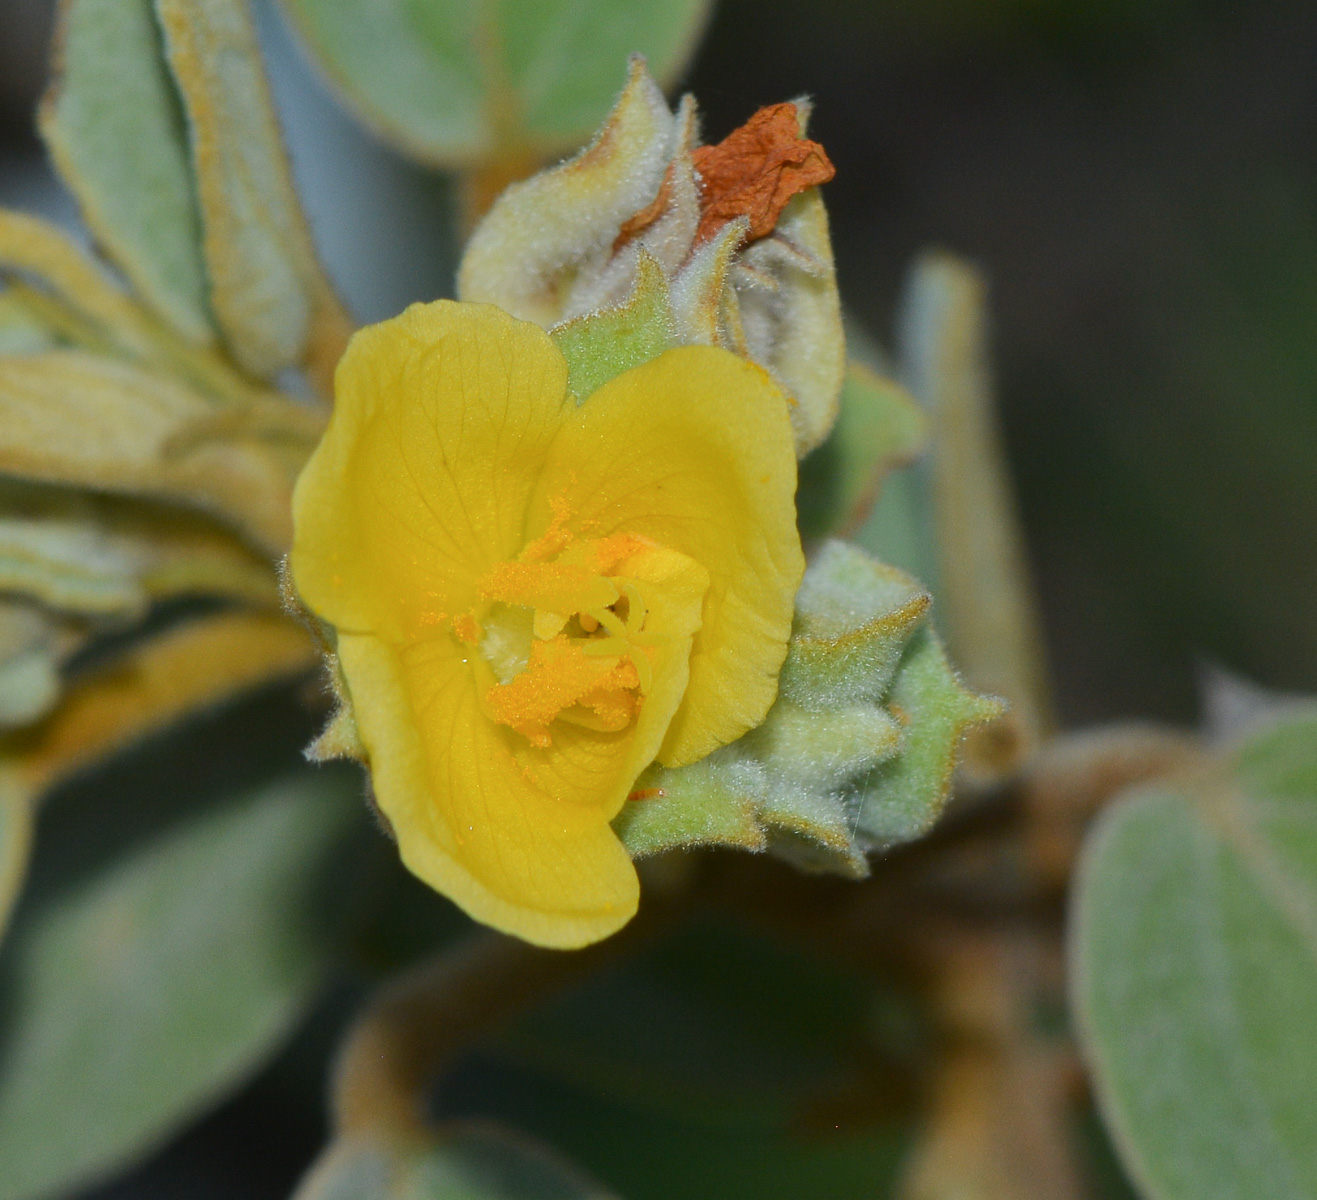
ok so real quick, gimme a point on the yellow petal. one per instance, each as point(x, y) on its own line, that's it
point(694, 451)
point(456, 473)
point(529, 853)
point(518, 835)
point(442, 419)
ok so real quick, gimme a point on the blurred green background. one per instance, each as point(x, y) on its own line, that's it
point(1139, 182)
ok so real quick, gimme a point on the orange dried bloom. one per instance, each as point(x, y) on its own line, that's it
point(756, 169)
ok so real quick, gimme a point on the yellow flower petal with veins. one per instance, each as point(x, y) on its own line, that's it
point(534, 600)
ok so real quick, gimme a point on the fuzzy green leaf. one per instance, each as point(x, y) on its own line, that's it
point(1194, 950)
point(456, 82)
point(29, 685)
point(858, 750)
point(57, 284)
point(476, 1162)
point(251, 219)
point(879, 427)
point(113, 124)
point(600, 346)
point(267, 290)
point(147, 989)
point(64, 564)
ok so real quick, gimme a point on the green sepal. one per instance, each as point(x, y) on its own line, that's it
point(600, 346)
point(856, 754)
point(853, 615)
point(340, 738)
point(709, 803)
point(902, 798)
point(828, 747)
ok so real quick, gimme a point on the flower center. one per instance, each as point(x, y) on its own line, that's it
point(566, 639)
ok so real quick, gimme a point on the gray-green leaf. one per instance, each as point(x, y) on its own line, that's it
point(102, 557)
point(21, 330)
point(1194, 950)
point(148, 989)
point(114, 126)
point(455, 82)
point(268, 293)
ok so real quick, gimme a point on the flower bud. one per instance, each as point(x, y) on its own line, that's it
point(738, 229)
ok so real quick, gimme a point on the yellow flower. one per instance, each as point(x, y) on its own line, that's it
point(535, 599)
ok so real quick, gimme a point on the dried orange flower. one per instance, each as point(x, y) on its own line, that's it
point(755, 170)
